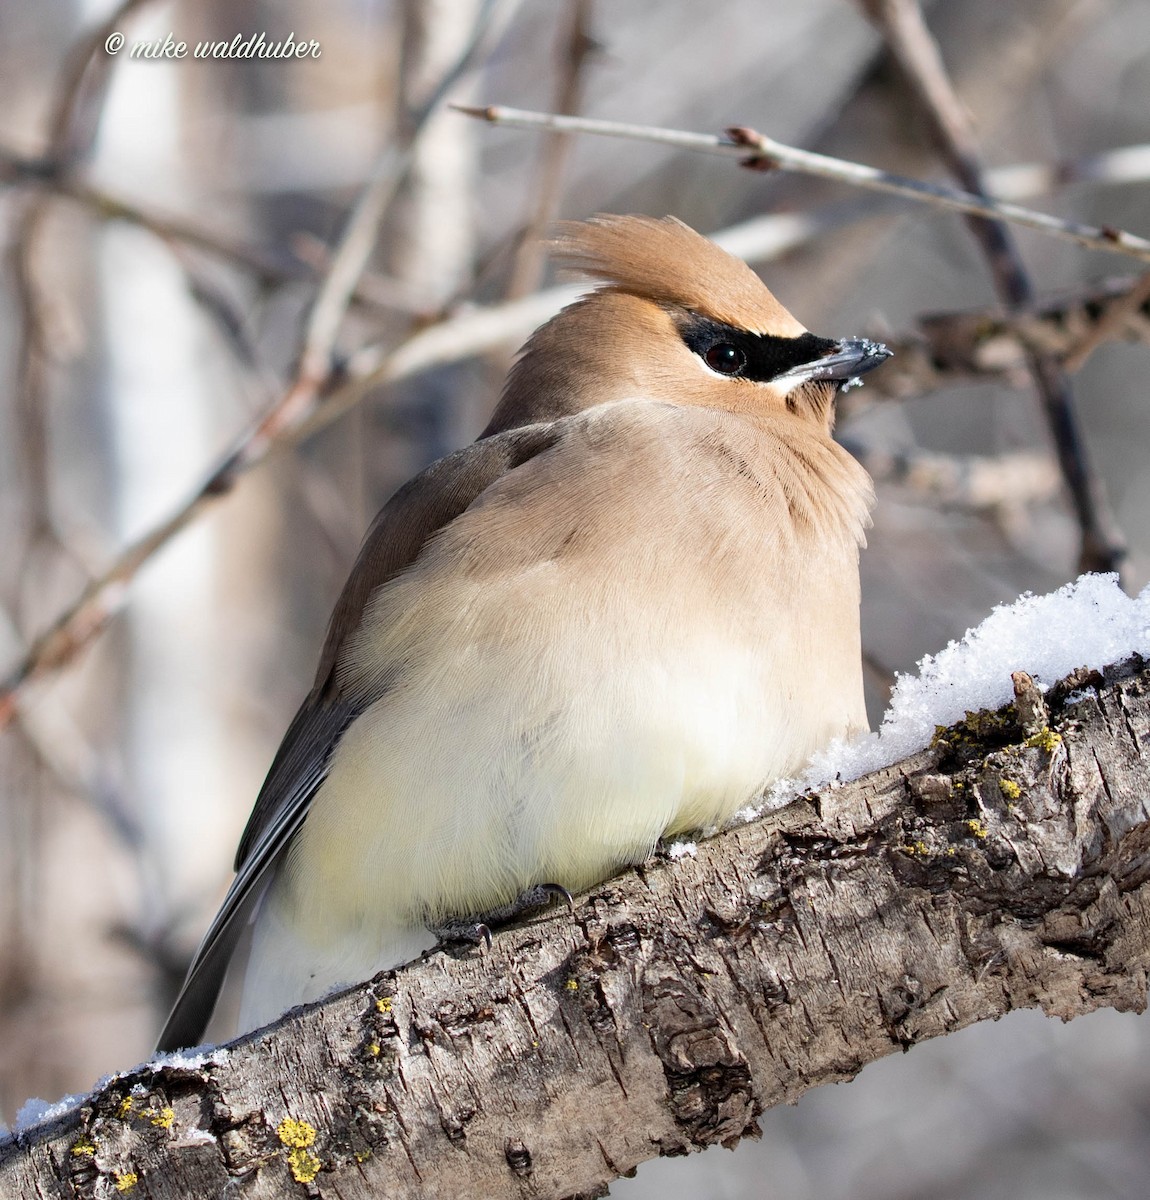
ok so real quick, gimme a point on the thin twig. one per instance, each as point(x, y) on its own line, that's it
point(170, 227)
point(975, 339)
point(527, 272)
point(755, 149)
point(978, 345)
point(917, 54)
point(974, 482)
point(309, 263)
point(1124, 164)
point(1110, 326)
point(359, 236)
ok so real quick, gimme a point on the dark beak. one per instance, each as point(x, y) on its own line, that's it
point(850, 359)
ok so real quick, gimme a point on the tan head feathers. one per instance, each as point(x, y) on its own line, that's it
point(666, 261)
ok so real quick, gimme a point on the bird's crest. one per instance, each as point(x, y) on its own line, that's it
point(665, 261)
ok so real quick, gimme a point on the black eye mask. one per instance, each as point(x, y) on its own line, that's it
point(757, 356)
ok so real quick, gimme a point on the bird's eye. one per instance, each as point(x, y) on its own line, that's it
point(725, 358)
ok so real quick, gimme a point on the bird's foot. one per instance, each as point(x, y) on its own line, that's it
point(473, 930)
point(465, 931)
point(534, 897)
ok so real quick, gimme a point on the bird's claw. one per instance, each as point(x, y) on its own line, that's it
point(556, 891)
point(478, 929)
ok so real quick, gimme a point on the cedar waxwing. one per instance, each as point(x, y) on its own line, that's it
point(628, 606)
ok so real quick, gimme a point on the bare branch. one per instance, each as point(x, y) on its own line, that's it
point(103, 596)
point(311, 260)
point(954, 348)
point(578, 44)
point(977, 482)
point(359, 236)
point(754, 149)
point(1123, 164)
point(1111, 325)
point(917, 54)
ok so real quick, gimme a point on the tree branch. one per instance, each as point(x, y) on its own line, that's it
point(296, 403)
point(531, 253)
point(975, 482)
point(919, 57)
point(986, 343)
point(760, 152)
point(1006, 867)
point(74, 118)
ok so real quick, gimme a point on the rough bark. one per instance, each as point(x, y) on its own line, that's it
point(1005, 867)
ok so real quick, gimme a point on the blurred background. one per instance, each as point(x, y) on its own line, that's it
point(167, 226)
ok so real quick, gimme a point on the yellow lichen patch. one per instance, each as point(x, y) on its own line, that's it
point(1045, 739)
point(915, 848)
point(298, 1136)
point(162, 1118)
point(1009, 789)
point(980, 726)
point(374, 1049)
point(295, 1133)
point(977, 828)
point(125, 1180)
point(125, 1107)
point(990, 725)
point(362, 1156)
point(304, 1165)
point(384, 1004)
point(84, 1148)
point(572, 985)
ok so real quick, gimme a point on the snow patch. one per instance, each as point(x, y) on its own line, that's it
point(1088, 623)
point(39, 1112)
point(190, 1060)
